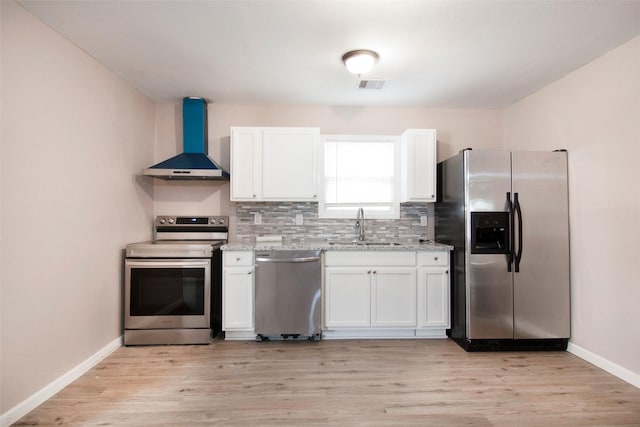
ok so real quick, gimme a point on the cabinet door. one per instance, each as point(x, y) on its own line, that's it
point(418, 177)
point(433, 298)
point(237, 299)
point(347, 297)
point(393, 298)
point(245, 167)
point(289, 170)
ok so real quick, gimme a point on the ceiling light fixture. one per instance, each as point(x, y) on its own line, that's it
point(360, 61)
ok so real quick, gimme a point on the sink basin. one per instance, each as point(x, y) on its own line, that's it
point(343, 243)
point(381, 244)
point(365, 243)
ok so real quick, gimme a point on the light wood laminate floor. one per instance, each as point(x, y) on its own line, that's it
point(341, 383)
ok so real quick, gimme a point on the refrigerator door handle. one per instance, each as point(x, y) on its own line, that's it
point(519, 212)
point(511, 232)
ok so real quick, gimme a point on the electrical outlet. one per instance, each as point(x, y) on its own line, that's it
point(298, 219)
point(423, 220)
point(257, 218)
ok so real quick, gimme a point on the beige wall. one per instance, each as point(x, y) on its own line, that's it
point(73, 138)
point(457, 129)
point(594, 113)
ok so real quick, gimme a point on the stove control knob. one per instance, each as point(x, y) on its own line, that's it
point(162, 221)
point(171, 220)
point(221, 221)
point(213, 220)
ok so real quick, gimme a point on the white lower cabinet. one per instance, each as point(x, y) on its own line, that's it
point(434, 311)
point(433, 298)
point(347, 295)
point(238, 295)
point(370, 296)
point(365, 294)
point(386, 294)
point(393, 297)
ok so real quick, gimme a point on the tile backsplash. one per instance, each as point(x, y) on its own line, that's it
point(279, 219)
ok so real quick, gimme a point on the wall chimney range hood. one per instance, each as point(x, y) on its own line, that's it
point(193, 163)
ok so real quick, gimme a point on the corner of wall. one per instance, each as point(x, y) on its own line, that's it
point(33, 401)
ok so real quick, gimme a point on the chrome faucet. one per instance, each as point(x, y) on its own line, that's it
point(360, 224)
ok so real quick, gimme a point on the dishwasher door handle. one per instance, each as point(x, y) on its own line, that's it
point(301, 259)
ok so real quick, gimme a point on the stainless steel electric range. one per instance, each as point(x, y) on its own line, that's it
point(173, 284)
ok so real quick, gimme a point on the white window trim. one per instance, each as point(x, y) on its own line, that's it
point(350, 211)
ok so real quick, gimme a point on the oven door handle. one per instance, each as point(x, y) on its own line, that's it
point(168, 263)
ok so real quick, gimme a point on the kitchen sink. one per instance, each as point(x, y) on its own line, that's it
point(381, 244)
point(365, 243)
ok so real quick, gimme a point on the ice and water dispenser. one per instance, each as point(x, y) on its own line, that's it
point(489, 232)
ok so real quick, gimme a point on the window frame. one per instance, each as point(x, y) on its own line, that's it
point(350, 210)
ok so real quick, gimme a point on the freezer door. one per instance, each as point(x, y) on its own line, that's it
point(489, 284)
point(541, 284)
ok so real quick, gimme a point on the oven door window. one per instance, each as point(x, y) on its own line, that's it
point(167, 291)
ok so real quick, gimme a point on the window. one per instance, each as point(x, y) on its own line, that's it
point(360, 171)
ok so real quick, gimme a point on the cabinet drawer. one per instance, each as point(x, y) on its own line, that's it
point(433, 258)
point(238, 258)
point(377, 258)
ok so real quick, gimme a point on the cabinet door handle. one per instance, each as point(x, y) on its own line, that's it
point(249, 273)
point(369, 272)
point(375, 272)
point(435, 258)
point(254, 196)
point(238, 259)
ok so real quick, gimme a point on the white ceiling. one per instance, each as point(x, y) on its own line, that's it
point(458, 54)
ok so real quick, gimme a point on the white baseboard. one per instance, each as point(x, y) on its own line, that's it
point(240, 335)
point(599, 361)
point(373, 333)
point(29, 404)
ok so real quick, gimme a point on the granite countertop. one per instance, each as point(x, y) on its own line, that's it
point(337, 245)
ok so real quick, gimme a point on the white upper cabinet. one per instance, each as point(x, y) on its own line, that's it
point(289, 164)
point(274, 164)
point(418, 165)
point(246, 170)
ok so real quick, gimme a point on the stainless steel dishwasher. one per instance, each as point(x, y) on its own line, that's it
point(287, 301)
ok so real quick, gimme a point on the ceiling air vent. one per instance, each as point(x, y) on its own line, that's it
point(372, 84)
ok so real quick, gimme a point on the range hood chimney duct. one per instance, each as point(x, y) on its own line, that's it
point(193, 163)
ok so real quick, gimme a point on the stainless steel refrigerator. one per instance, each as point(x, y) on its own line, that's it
point(507, 216)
